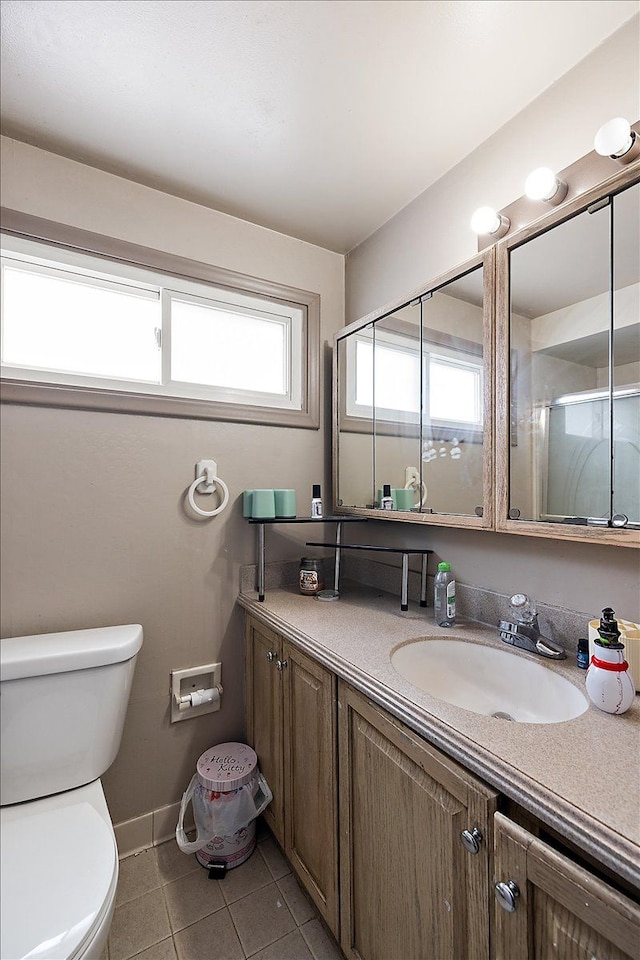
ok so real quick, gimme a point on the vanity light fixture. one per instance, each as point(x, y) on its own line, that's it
point(617, 140)
point(486, 222)
point(542, 184)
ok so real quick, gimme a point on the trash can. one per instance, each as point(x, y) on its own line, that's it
point(228, 792)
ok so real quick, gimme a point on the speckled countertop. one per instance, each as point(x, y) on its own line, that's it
point(581, 777)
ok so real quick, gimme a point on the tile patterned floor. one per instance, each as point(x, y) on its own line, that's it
point(168, 909)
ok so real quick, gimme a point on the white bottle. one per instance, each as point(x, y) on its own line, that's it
point(608, 681)
point(316, 502)
point(444, 597)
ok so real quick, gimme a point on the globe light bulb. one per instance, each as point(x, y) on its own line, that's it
point(542, 184)
point(614, 138)
point(486, 222)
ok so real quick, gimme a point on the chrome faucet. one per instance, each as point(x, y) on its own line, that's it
point(525, 632)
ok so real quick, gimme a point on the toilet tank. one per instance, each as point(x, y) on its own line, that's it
point(63, 700)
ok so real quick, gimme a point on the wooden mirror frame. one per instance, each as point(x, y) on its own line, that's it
point(486, 260)
point(618, 180)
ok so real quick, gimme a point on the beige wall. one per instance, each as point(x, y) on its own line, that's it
point(431, 235)
point(93, 526)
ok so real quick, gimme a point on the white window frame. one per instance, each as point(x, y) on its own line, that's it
point(159, 274)
point(387, 417)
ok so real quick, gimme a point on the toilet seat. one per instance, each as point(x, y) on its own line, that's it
point(59, 874)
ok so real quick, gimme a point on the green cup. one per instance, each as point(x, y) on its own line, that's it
point(404, 499)
point(247, 497)
point(285, 503)
point(263, 505)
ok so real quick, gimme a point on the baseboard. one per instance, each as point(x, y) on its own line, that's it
point(149, 829)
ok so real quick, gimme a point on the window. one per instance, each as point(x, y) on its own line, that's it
point(451, 382)
point(397, 378)
point(454, 391)
point(78, 320)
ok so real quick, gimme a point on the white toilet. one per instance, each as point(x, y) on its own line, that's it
point(63, 699)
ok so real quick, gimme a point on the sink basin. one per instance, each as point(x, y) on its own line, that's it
point(495, 683)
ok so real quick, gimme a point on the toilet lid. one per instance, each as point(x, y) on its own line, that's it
point(57, 869)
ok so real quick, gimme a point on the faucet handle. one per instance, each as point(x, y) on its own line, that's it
point(524, 607)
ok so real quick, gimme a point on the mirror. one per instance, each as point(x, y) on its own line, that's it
point(396, 394)
point(455, 372)
point(355, 447)
point(626, 355)
point(412, 405)
point(574, 401)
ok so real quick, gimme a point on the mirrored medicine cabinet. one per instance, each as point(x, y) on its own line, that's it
point(506, 394)
point(568, 392)
point(413, 404)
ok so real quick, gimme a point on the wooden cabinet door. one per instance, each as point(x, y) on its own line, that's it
point(264, 714)
point(561, 910)
point(310, 789)
point(409, 889)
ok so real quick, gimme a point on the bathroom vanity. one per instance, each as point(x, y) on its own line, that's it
point(401, 813)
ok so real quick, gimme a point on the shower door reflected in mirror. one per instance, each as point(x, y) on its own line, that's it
point(567, 389)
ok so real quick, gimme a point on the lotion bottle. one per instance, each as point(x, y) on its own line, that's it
point(316, 502)
point(387, 500)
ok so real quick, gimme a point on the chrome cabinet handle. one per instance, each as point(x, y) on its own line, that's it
point(271, 655)
point(506, 894)
point(281, 664)
point(471, 840)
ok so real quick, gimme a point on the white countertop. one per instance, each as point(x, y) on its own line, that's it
point(581, 777)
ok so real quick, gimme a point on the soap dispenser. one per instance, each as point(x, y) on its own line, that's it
point(609, 683)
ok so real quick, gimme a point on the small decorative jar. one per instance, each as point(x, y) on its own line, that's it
point(311, 577)
point(609, 683)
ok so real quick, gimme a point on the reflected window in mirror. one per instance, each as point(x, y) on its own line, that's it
point(452, 434)
point(413, 401)
point(396, 407)
point(355, 439)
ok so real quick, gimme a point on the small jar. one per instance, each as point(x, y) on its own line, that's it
point(311, 579)
point(582, 658)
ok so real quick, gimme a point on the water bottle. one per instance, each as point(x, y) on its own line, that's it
point(444, 600)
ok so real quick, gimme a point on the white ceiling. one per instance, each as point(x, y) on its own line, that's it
point(317, 118)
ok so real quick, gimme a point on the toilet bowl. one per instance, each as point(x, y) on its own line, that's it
point(59, 876)
point(63, 703)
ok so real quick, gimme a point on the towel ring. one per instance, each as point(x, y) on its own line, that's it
point(208, 479)
point(418, 487)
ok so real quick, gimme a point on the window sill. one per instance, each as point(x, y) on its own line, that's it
point(29, 393)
